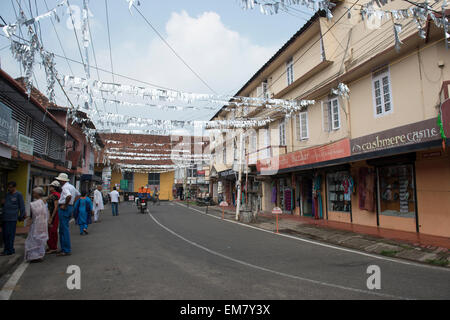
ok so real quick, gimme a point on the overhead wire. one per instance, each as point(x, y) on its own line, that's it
point(173, 50)
point(109, 42)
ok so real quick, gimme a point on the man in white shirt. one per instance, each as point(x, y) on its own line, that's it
point(98, 202)
point(68, 197)
point(115, 199)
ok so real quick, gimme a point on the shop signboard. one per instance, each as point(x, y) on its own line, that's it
point(124, 185)
point(5, 122)
point(419, 132)
point(26, 144)
point(332, 151)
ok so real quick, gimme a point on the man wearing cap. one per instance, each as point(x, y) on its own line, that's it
point(98, 202)
point(68, 196)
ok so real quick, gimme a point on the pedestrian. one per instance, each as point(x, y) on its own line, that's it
point(83, 212)
point(98, 202)
point(13, 210)
point(68, 197)
point(38, 234)
point(115, 199)
point(53, 220)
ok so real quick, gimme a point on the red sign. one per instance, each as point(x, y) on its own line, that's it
point(277, 210)
point(336, 150)
point(223, 204)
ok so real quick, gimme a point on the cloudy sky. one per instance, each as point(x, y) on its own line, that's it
point(222, 42)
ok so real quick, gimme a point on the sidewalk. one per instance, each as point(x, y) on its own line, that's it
point(8, 263)
point(391, 243)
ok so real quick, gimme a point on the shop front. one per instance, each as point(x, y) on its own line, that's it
point(227, 179)
point(404, 181)
point(299, 179)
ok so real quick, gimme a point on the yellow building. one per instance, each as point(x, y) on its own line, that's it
point(163, 181)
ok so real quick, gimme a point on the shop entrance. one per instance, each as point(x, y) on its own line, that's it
point(305, 198)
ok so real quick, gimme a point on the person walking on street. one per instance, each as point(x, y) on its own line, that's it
point(98, 202)
point(38, 234)
point(53, 220)
point(13, 210)
point(115, 199)
point(68, 197)
point(83, 212)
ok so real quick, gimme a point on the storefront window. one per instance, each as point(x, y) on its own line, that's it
point(339, 188)
point(396, 187)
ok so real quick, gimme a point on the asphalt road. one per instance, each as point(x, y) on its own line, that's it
point(175, 252)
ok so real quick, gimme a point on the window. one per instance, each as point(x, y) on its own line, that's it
point(267, 142)
point(28, 126)
point(302, 126)
point(290, 71)
point(331, 115)
point(382, 95)
point(47, 141)
point(282, 129)
point(263, 90)
point(340, 189)
point(224, 153)
point(396, 191)
point(153, 179)
point(253, 142)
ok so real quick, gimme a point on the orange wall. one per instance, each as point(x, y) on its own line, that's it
point(433, 193)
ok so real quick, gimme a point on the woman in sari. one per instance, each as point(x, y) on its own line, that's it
point(38, 234)
point(53, 221)
point(83, 212)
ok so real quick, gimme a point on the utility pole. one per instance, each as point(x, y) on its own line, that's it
point(238, 206)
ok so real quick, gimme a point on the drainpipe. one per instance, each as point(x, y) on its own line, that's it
point(238, 205)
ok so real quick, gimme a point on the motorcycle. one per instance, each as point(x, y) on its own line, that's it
point(142, 205)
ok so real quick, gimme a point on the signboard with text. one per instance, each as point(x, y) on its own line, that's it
point(26, 144)
point(5, 122)
point(335, 150)
point(419, 132)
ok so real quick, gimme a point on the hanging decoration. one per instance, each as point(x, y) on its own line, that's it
point(25, 55)
point(273, 7)
point(77, 85)
point(419, 13)
point(342, 90)
point(10, 29)
point(131, 4)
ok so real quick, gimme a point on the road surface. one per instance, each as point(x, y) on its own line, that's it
point(174, 252)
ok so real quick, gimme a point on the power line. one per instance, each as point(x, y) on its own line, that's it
point(95, 57)
point(313, 44)
point(59, 40)
point(86, 66)
point(109, 41)
point(173, 50)
point(101, 69)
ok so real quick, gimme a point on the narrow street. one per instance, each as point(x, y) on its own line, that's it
point(175, 252)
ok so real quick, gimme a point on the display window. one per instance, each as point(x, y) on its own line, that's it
point(396, 191)
point(339, 188)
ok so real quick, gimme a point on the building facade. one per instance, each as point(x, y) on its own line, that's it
point(375, 157)
point(32, 141)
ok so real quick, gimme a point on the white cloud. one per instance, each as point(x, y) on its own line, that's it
point(222, 57)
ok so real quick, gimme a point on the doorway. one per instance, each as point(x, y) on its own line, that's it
point(306, 198)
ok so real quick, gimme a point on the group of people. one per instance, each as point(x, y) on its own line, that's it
point(51, 216)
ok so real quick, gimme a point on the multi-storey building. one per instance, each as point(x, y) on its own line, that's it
point(374, 157)
point(33, 141)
